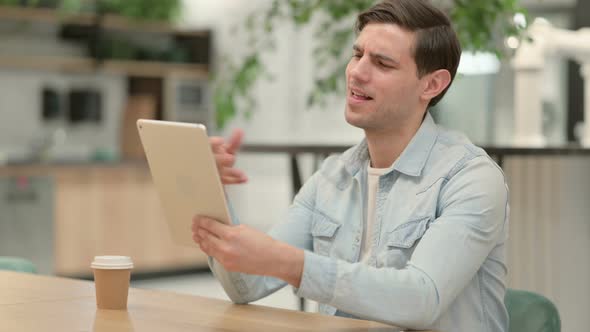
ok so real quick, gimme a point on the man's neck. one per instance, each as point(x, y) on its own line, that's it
point(386, 146)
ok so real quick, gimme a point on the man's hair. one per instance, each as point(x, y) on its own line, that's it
point(436, 45)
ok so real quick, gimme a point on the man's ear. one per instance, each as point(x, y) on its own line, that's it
point(435, 83)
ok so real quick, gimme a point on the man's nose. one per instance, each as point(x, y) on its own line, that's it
point(359, 70)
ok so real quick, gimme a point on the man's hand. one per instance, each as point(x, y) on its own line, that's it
point(243, 249)
point(225, 157)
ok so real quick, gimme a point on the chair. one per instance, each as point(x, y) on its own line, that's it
point(17, 264)
point(531, 312)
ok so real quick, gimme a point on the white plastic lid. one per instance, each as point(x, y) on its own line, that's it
point(112, 262)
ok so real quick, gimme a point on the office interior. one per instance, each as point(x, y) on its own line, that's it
point(74, 182)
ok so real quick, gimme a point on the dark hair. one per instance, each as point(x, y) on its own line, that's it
point(437, 45)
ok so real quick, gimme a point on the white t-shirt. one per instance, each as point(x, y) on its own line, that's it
point(373, 175)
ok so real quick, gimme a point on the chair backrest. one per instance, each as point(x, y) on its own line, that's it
point(531, 312)
point(17, 264)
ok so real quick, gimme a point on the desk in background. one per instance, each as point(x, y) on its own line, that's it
point(33, 303)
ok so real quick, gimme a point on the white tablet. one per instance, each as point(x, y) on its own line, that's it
point(185, 174)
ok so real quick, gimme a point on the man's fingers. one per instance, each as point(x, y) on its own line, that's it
point(224, 159)
point(210, 244)
point(233, 180)
point(235, 141)
point(204, 244)
point(214, 227)
point(194, 227)
point(230, 175)
point(233, 176)
point(216, 142)
point(196, 238)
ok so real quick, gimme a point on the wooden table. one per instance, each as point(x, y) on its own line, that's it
point(42, 303)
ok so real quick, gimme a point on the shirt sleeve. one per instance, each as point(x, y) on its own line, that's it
point(473, 213)
point(295, 230)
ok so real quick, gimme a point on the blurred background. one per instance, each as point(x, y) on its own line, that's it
point(75, 75)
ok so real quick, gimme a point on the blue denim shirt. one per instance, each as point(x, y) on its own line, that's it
point(438, 258)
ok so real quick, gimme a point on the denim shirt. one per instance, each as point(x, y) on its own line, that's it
point(438, 258)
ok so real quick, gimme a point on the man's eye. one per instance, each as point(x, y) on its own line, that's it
point(357, 55)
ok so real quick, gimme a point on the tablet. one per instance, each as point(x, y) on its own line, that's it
point(185, 174)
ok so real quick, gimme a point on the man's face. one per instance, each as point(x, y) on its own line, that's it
point(383, 88)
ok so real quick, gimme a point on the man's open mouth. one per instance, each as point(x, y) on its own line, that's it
point(360, 95)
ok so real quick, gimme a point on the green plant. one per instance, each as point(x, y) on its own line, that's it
point(157, 10)
point(164, 10)
point(9, 2)
point(477, 23)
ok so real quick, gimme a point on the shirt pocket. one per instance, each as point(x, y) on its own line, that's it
point(323, 231)
point(400, 243)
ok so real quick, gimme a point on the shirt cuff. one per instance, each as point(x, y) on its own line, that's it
point(319, 278)
point(233, 284)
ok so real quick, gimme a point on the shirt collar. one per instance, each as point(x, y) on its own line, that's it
point(412, 160)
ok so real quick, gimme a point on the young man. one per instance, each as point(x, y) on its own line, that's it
point(408, 227)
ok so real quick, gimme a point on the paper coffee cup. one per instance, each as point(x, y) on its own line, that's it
point(111, 280)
